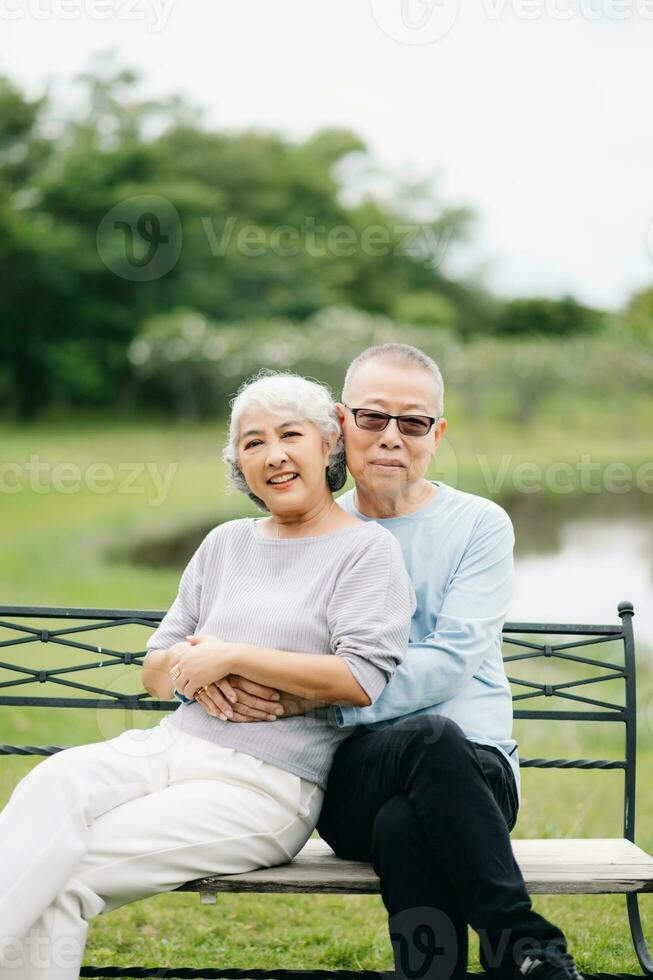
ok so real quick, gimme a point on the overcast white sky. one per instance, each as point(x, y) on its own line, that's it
point(536, 113)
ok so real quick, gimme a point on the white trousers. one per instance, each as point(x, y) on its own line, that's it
point(96, 826)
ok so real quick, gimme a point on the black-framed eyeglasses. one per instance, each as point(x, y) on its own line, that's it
point(409, 425)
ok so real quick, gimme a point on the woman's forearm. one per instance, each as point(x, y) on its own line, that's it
point(154, 673)
point(318, 677)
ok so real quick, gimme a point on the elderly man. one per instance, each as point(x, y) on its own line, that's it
point(427, 785)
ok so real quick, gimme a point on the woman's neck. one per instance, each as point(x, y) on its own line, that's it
point(324, 517)
point(397, 505)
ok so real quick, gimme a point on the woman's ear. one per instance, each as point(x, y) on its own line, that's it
point(331, 442)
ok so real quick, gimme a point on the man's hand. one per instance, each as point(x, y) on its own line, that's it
point(258, 703)
point(255, 702)
point(218, 699)
point(236, 699)
point(293, 705)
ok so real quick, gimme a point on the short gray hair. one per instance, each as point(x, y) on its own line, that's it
point(405, 354)
point(310, 400)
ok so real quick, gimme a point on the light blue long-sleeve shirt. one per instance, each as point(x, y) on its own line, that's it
point(458, 550)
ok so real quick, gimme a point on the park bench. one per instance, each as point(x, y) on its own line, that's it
point(564, 866)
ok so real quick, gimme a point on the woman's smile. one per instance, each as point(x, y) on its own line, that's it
point(283, 481)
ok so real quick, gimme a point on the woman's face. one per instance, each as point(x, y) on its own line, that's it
point(283, 460)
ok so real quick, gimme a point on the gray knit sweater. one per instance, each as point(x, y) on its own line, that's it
point(346, 593)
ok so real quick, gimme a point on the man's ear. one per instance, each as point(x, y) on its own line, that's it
point(340, 410)
point(441, 427)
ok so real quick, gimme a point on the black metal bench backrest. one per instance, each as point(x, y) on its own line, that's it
point(28, 623)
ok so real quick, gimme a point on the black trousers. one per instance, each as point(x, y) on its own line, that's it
point(432, 811)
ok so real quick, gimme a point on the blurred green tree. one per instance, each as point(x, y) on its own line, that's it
point(261, 229)
point(638, 315)
point(262, 232)
point(67, 319)
point(549, 317)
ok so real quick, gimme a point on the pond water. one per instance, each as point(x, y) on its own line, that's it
point(575, 560)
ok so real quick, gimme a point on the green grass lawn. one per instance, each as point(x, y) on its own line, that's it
point(55, 548)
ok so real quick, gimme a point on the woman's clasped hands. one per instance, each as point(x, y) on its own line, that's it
point(204, 666)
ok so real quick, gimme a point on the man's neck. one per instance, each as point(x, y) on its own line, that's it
point(375, 505)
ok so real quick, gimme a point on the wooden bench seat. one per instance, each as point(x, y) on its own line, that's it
point(563, 866)
point(571, 866)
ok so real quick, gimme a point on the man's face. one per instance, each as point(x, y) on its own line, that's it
point(386, 462)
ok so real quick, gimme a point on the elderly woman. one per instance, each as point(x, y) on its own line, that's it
point(310, 600)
